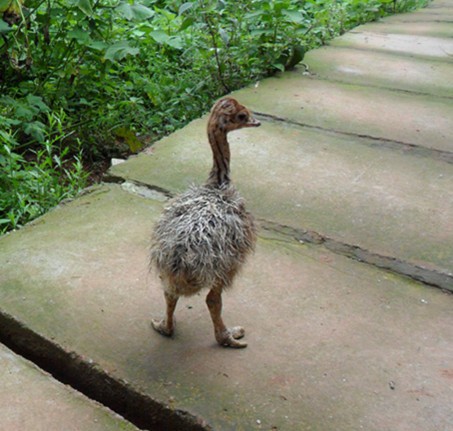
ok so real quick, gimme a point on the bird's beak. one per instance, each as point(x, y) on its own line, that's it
point(253, 122)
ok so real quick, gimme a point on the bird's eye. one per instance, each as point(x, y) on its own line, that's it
point(242, 117)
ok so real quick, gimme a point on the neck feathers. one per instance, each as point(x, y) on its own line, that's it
point(220, 172)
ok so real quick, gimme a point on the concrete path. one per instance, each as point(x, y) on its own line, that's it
point(32, 400)
point(347, 301)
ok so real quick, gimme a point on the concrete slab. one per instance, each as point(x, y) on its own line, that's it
point(420, 120)
point(370, 68)
point(438, 4)
point(391, 202)
point(437, 11)
point(397, 25)
point(31, 400)
point(403, 44)
point(434, 20)
point(333, 343)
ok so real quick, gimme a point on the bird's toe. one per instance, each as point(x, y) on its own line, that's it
point(162, 327)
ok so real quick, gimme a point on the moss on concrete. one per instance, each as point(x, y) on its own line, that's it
point(352, 190)
point(377, 69)
point(326, 334)
point(333, 343)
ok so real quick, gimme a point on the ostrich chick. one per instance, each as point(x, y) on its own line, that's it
point(204, 236)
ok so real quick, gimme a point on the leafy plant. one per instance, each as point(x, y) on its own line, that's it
point(122, 73)
point(32, 183)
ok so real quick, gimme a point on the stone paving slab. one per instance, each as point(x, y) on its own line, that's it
point(372, 68)
point(402, 44)
point(437, 11)
point(31, 400)
point(391, 202)
point(333, 343)
point(437, 4)
point(420, 120)
point(424, 28)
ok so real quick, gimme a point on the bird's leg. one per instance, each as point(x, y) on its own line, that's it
point(166, 326)
point(227, 337)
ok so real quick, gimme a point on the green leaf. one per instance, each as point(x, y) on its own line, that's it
point(35, 129)
point(186, 23)
point(85, 6)
point(4, 5)
point(37, 102)
point(25, 113)
point(120, 50)
point(7, 122)
point(293, 15)
point(297, 55)
point(81, 36)
point(279, 66)
point(98, 45)
point(251, 15)
point(160, 36)
point(163, 38)
point(4, 27)
point(224, 36)
point(130, 138)
point(185, 7)
point(134, 12)
point(11, 6)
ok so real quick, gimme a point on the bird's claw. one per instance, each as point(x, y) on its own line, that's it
point(230, 337)
point(161, 326)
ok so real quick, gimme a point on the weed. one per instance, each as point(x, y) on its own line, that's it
point(33, 182)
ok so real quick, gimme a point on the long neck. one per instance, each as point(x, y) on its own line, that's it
point(220, 172)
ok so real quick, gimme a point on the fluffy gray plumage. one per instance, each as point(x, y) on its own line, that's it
point(202, 238)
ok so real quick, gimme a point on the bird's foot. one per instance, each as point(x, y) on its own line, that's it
point(230, 337)
point(162, 327)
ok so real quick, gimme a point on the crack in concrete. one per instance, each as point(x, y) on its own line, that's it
point(399, 54)
point(142, 190)
point(315, 76)
point(408, 21)
point(140, 409)
point(445, 156)
point(138, 188)
point(87, 377)
point(427, 276)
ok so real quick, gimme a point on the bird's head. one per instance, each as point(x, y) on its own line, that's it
point(228, 114)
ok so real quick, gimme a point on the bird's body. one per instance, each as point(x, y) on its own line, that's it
point(204, 236)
